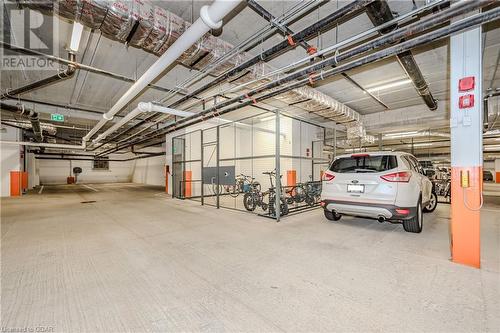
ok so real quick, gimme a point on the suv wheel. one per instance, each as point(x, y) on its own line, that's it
point(431, 206)
point(415, 224)
point(331, 215)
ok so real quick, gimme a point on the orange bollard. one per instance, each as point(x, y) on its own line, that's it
point(187, 183)
point(16, 183)
point(291, 180)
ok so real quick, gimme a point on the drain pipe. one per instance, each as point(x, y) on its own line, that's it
point(30, 114)
point(210, 18)
point(69, 72)
point(141, 108)
point(379, 13)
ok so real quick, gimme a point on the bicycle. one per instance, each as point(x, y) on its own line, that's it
point(243, 184)
point(256, 197)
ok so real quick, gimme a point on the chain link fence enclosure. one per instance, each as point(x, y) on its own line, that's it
point(223, 165)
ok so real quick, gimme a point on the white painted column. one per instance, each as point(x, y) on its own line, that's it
point(466, 147)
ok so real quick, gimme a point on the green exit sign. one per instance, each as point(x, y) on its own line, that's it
point(57, 117)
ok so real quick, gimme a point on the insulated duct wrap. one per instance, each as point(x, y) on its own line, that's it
point(92, 13)
point(160, 25)
point(118, 22)
point(175, 27)
point(143, 16)
point(68, 9)
point(46, 7)
point(155, 29)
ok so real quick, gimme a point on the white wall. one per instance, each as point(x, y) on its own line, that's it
point(56, 171)
point(150, 171)
point(10, 157)
point(33, 171)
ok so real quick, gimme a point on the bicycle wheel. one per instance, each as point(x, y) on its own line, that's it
point(249, 201)
point(233, 190)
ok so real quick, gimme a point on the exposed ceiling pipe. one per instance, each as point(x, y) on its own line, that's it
point(49, 128)
point(380, 13)
point(142, 107)
point(30, 114)
point(76, 109)
point(80, 66)
point(210, 18)
point(267, 55)
point(43, 144)
point(309, 32)
point(415, 28)
point(312, 73)
point(41, 157)
point(259, 37)
point(285, 30)
point(67, 73)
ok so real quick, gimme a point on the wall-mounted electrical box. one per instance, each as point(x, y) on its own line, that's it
point(464, 179)
point(466, 101)
point(466, 83)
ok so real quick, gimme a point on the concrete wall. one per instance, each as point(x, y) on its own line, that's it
point(56, 172)
point(10, 157)
point(150, 171)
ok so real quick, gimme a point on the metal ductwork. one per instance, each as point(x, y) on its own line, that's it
point(379, 13)
point(155, 30)
point(67, 73)
point(30, 114)
point(24, 124)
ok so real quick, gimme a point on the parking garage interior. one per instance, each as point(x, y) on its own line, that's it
point(173, 166)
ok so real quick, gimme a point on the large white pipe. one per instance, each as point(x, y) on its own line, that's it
point(210, 18)
point(151, 107)
point(141, 108)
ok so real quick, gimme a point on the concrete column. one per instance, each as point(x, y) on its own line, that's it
point(466, 148)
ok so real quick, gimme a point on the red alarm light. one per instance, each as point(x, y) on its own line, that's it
point(466, 83)
point(466, 101)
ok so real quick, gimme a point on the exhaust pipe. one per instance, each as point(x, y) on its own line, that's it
point(381, 218)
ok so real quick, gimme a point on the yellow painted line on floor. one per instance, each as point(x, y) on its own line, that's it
point(89, 187)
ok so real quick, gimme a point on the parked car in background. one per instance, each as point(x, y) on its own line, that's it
point(387, 186)
point(487, 176)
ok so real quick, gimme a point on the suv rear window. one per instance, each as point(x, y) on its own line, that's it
point(365, 163)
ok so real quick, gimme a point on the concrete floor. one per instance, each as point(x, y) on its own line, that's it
point(135, 260)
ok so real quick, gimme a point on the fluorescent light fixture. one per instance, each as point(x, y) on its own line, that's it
point(423, 144)
point(76, 35)
point(401, 134)
point(389, 85)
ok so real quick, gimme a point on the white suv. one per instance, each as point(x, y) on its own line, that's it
point(387, 186)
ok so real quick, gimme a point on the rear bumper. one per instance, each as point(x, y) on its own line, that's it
point(368, 210)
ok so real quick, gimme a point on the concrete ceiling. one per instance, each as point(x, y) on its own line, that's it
point(99, 93)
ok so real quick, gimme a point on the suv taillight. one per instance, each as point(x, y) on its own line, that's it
point(328, 176)
point(399, 177)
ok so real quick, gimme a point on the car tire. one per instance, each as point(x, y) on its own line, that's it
point(415, 224)
point(331, 215)
point(431, 206)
